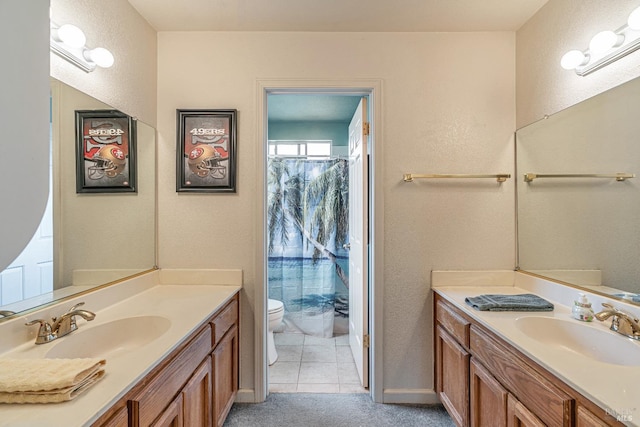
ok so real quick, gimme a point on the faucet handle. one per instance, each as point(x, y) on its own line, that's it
point(45, 333)
point(43, 324)
point(621, 322)
point(617, 312)
point(75, 306)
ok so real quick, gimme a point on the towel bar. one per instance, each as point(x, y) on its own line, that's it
point(528, 177)
point(409, 177)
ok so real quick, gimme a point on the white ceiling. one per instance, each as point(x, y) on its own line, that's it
point(337, 15)
point(329, 16)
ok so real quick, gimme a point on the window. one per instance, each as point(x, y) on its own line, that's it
point(300, 148)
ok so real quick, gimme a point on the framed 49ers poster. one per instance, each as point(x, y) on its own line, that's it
point(105, 152)
point(206, 151)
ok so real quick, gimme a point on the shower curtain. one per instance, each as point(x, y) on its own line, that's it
point(300, 275)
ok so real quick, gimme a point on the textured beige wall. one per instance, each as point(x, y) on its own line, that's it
point(448, 107)
point(130, 84)
point(543, 87)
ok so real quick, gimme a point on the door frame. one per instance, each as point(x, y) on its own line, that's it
point(361, 87)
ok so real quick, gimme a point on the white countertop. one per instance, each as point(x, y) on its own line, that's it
point(186, 306)
point(614, 388)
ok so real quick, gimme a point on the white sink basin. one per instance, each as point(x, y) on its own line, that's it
point(587, 340)
point(111, 339)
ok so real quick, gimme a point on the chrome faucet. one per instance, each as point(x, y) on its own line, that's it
point(61, 326)
point(621, 322)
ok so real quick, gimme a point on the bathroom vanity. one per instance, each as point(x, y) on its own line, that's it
point(504, 368)
point(180, 368)
point(195, 385)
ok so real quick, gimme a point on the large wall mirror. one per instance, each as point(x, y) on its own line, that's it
point(85, 240)
point(585, 229)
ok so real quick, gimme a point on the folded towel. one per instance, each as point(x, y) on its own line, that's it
point(521, 302)
point(47, 380)
point(51, 396)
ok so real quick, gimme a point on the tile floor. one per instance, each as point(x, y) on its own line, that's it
point(308, 364)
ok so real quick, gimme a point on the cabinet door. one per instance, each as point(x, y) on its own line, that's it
point(225, 375)
point(519, 416)
point(488, 398)
point(196, 397)
point(452, 377)
point(171, 416)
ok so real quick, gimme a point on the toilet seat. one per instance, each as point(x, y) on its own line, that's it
point(275, 306)
point(276, 313)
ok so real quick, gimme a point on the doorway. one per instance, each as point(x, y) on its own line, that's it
point(309, 266)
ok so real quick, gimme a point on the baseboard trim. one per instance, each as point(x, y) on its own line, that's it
point(410, 395)
point(246, 395)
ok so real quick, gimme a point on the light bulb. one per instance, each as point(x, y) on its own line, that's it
point(634, 19)
point(573, 59)
point(71, 35)
point(100, 56)
point(605, 40)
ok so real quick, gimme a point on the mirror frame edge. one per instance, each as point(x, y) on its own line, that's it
point(76, 294)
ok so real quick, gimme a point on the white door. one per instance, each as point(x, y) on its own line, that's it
point(31, 273)
point(358, 230)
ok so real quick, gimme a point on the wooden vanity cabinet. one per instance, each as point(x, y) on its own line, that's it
point(118, 416)
point(484, 381)
point(452, 358)
point(537, 392)
point(194, 386)
point(225, 375)
point(160, 391)
point(225, 359)
point(487, 398)
point(172, 416)
point(197, 396)
point(493, 405)
point(452, 379)
point(586, 418)
point(519, 416)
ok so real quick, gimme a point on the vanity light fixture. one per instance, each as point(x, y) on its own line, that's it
point(605, 47)
point(68, 42)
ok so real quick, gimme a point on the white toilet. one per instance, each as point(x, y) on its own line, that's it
point(276, 313)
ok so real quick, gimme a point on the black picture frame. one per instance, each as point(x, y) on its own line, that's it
point(206, 151)
point(105, 152)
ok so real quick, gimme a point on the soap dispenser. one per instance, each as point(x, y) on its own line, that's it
point(582, 309)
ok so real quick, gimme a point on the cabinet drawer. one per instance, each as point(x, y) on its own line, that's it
point(596, 417)
point(163, 388)
point(452, 322)
point(585, 418)
point(119, 419)
point(537, 393)
point(224, 321)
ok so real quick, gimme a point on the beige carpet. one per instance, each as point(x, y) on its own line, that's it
point(333, 410)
